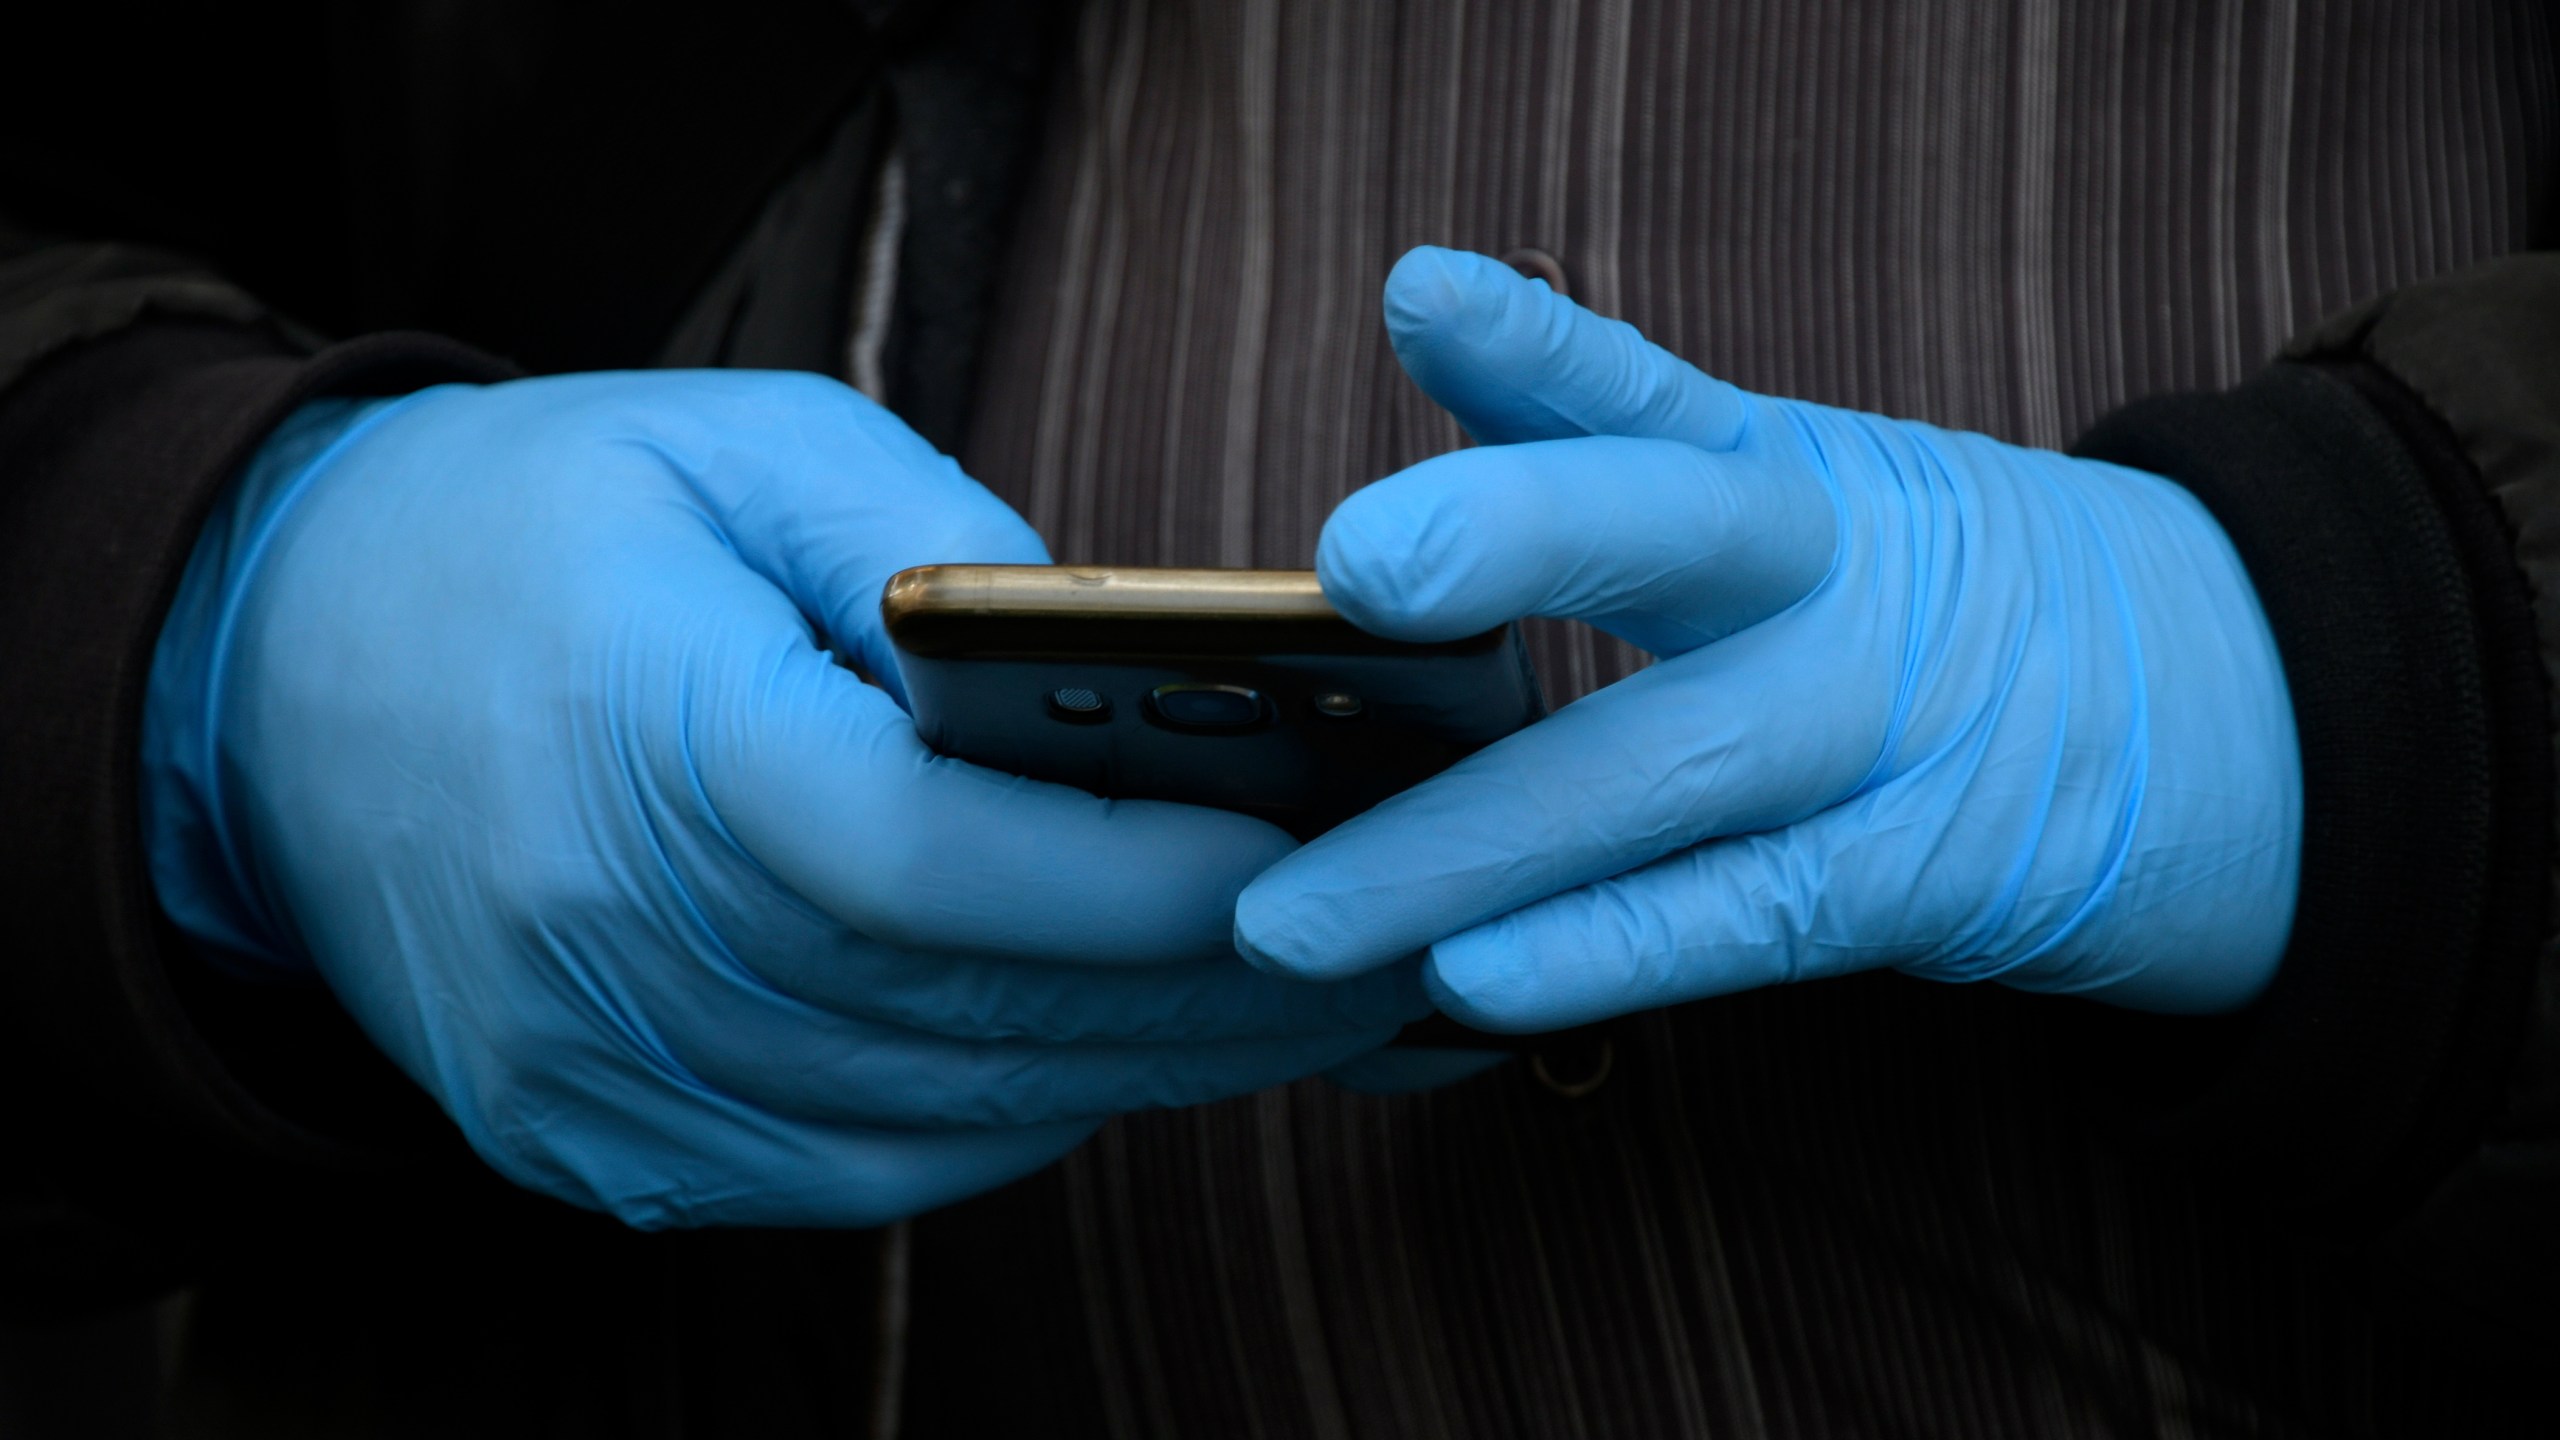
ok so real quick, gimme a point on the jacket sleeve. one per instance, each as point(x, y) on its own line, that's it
point(147, 1103)
point(364, 168)
point(2393, 484)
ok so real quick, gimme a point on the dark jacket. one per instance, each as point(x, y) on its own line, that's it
point(2342, 1205)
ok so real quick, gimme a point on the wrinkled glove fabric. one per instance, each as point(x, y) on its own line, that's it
point(505, 710)
point(1923, 700)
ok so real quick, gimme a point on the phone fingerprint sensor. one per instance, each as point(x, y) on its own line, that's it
point(1207, 707)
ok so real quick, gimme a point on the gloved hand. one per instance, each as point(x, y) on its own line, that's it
point(1925, 700)
point(501, 707)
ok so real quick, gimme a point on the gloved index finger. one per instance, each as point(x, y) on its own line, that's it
point(1663, 544)
point(823, 780)
point(1514, 361)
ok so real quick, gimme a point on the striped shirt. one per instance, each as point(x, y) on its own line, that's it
point(1865, 1207)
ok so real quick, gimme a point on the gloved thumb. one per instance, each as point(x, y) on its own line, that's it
point(826, 495)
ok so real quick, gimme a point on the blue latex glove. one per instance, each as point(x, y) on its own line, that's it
point(501, 707)
point(1925, 700)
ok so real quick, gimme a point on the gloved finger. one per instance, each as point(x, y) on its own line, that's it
point(1729, 915)
point(1514, 361)
point(1736, 737)
point(820, 778)
point(1891, 879)
point(796, 1060)
point(656, 1158)
point(973, 997)
point(822, 781)
point(1664, 544)
point(834, 496)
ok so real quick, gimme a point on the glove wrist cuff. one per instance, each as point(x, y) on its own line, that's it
point(203, 872)
point(2407, 642)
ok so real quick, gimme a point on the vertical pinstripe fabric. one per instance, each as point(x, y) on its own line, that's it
point(1861, 1208)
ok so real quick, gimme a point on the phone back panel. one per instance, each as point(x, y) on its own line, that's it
point(1299, 718)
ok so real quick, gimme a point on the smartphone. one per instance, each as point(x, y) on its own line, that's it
point(1240, 689)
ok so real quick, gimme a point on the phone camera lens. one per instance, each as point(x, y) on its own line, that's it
point(1339, 704)
point(1079, 706)
point(1207, 707)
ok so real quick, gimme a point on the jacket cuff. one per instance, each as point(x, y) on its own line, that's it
point(2408, 647)
point(170, 1080)
point(2472, 361)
